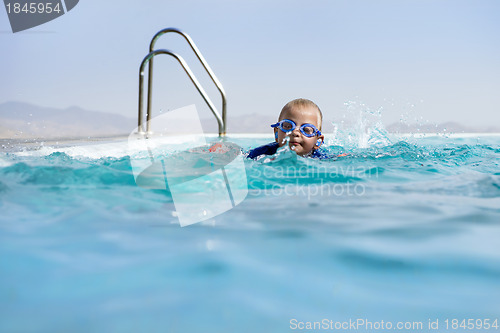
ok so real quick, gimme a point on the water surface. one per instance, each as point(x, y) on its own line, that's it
point(397, 230)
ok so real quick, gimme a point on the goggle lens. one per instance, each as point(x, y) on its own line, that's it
point(287, 126)
point(308, 130)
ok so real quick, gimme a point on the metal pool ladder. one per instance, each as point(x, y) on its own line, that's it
point(149, 59)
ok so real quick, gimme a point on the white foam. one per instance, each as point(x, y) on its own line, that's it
point(4, 163)
point(115, 149)
point(119, 148)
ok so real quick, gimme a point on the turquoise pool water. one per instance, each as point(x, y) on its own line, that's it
point(399, 231)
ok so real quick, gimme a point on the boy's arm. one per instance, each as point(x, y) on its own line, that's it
point(268, 149)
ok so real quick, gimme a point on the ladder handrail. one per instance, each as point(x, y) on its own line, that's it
point(188, 71)
point(222, 127)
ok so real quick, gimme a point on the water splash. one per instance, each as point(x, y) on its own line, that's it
point(283, 153)
point(361, 127)
point(285, 140)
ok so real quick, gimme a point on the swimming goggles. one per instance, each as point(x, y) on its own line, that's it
point(287, 125)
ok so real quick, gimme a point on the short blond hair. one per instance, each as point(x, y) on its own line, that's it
point(301, 103)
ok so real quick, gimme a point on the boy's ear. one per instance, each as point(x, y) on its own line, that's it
point(319, 142)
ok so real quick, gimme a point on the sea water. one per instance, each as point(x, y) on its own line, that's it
point(401, 231)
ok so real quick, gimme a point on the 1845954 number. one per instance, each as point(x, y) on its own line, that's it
point(471, 324)
point(33, 8)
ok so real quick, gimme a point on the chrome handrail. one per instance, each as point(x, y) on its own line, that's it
point(188, 71)
point(221, 120)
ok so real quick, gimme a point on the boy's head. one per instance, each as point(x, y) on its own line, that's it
point(301, 112)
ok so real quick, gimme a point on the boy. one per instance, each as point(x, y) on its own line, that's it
point(300, 119)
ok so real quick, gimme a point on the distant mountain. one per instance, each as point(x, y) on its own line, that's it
point(448, 127)
point(23, 120)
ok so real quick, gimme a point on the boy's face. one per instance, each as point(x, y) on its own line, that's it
point(298, 142)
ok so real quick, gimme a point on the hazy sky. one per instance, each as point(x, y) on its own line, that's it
point(426, 60)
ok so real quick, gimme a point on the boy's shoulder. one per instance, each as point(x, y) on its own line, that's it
point(271, 148)
point(320, 153)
